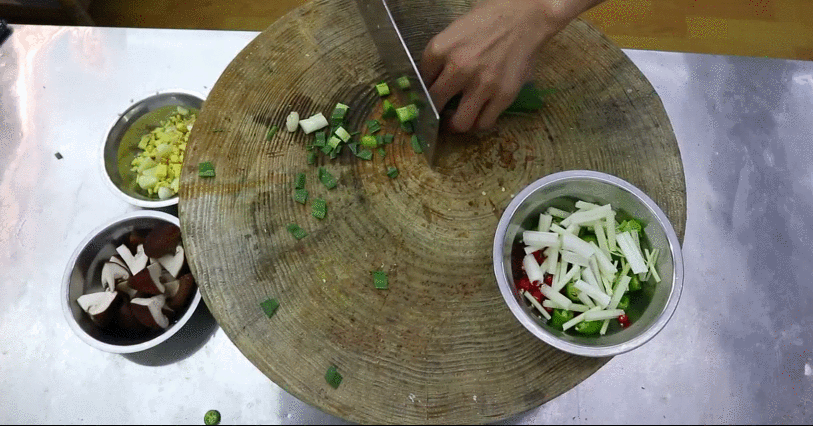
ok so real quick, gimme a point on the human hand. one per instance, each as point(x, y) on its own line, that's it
point(488, 54)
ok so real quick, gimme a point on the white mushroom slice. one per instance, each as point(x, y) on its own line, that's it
point(134, 263)
point(117, 260)
point(171, 289)
point(150, 311)
point(126, 289)
point(98, 306)
point(173, 262)
point(113, 273)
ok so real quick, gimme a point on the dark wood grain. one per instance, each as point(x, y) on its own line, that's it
point(440, 345)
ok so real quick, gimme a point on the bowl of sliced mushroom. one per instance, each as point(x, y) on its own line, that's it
point(128, 287)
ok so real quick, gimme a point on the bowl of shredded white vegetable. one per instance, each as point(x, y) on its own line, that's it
point(588, 263)
point(143, 150)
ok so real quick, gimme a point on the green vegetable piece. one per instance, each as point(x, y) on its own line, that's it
point(635, 283)
point(212, 417)
point(559, 318)
point(388, 110)
point(416, 144)
point(365, 154)
point(301, 196)
point(319, 208)
point(373, 126)
point(388, 138)
point(382, 153)
point(588, 328)
point(300, 181)
point(624, 303)
point(408, 127)
point(403, 83)
point(529, 99)
point(380, 280)
point(379, 140)
point(407, 113)
point(416, 99)
point(382, 89)
point(312, 158)
point(572, 293)
point(270, 307)
point(327, 149)
point(392, 172)
point(369, 141)
point(629, 226)
point(343, 134)
point(333, 378)
point(354, 147)
point(296, 231)
point(326, 178)
point(590, 237)
point(339, 112)
point(336, 151)
point(206, 169)
point(271, 132)
point(320, 139)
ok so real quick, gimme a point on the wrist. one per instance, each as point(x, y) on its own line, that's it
point(561, 12)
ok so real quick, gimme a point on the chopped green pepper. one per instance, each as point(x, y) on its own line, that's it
point(369, 141)
point(333, 378)
point(392, 172)
point(373, 126)
point(211, 418)
point(326, 178)
point(301, 196)
point(559, 318)
point(206, 169)
point(300, 181)
point(327, 149)
point(319, 208)
point(365, 154)
point(635, 283)
point(382, 89)
point(320, 139)
point(572, 292)
point(407, 113)
point(403, 82)
point(270, 307)
point(588, 327)
point(312, 158)
point(339, 112)
point(624, 303)
point(296, 231)
point(380, 280)
point(388, 110)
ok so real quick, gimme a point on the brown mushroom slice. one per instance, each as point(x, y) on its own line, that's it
point(186, 288)
point(117, 260)
point(125, 288)
point(150, 312)
point(127, 321)
point(100, 306)
point(171, 289)
point(162, 240)
point(113, 273)
point(148, 280)
point(173, 262)
point(134, 240)
point(136, 263)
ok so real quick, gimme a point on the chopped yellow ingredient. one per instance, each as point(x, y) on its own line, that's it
point(159, 163)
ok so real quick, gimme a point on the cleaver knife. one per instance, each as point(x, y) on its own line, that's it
point(399, 63)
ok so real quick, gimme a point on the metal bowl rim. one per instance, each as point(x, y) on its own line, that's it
point(65, 291)
point(576, 349)
point(156, 204)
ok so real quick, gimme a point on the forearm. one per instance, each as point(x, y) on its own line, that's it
point(567, 10)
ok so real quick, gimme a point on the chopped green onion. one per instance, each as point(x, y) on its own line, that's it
point(333, 142)
point(211, 418)
point(312, 158)
point(373, 126)
point(369, 141)
point(416, 145)
point(339, 112)
point(271, 132)
point(270, 307)
point(344, 135)
point(301, 196)
point(206, 169)
point(327, 149)
point(354, 147)
point(382, 153)
point(416, 99)
point(403, 83)
point(335, 152)
point(365, 154)
point(407, 113)
point(319, 208)
point(388, 138)
point(300, 181)
point(380, 280)
point(333, 378)
point(388, 110)
point(379, 140)
point(326, 178)
point(320, 139)
point(392, 172)
point(408, 127)
point(382, 89)
point(296, 231)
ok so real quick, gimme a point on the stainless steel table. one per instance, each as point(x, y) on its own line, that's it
point(739, 349)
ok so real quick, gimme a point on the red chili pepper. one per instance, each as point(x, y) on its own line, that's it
point(548, 279)
point(524, 284)
point(539, 256)
point(537, 295)
point(623, 321)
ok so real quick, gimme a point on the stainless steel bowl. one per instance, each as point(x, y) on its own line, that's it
point(561, 190)
point(83, 275)
point(121, 180)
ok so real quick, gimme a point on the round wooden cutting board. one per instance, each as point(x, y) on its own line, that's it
point(439, 345)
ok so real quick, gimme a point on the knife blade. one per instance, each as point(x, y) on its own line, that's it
point(398, 61)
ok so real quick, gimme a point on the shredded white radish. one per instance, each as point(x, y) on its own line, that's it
point(577, 245)
point(631, 253)
point(559, 275)
point(532, 268)
point(553, 211)
point(595, 293)
point(604, 327)
point(547, 303)
point(584, 205)
point(604, 263)
point(586, 299)
point(573, 258)
point(536, 305)
point(555, 295)
point(588, 216)
point(578, 319)
point(545, 220)
point(598, 228)
point(540, 239)
point(532, 249)
point(610, 223)
point(559, 285)
point(590, 278)
point(618, 293)
point(603, 315)
point(573, 229)
point(575, 307)
point(553, 260)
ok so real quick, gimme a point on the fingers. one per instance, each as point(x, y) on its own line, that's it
point(495, 106)
point(470, 107)
point(432, 61)
point(450, 82)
